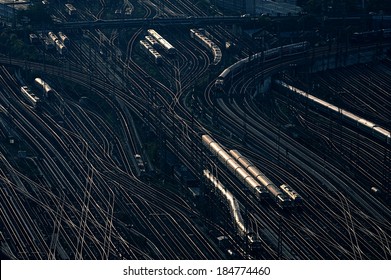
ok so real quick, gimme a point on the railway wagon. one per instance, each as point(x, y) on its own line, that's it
point(240, 66)
point(370, 128)
point(45, 87)
point(168, 48)
point(296, 198)
point(252, 239)
point(153, 42)
point(64, 38)
point(151, 52)
point(70, 9)
point(296, 48)
point(49, 45)
point(233, 204)
point(53, 37)
point(238, 171)
point(202, 39)
point(140, 162)
point(348, 117)
point(61, 48)
point(34, 39)
point(58, 43)
point(370, 36)
point(275, 193)
point(32, 99)
point(207, 43)
point(367, 126)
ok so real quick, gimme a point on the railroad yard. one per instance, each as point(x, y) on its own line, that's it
point(192, 141)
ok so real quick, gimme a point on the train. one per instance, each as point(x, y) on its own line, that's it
point(238, 67)
point(350, 118)
point(252, 239)
point(32, 99)
point(207, 43)
point(261, 187)
point(370, 36)
point(168, 48)
point(151, 52)
point(45, 87)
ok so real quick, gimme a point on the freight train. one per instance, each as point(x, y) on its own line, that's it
point(168, 48)
point(271, 54)
point(260, 190)
point(350, 118)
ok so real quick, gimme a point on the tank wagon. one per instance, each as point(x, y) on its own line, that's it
point(276, 193)
point(168, 48)
point(269, 55)
point(46, 89)
point(350, 118)
point(32, 99)
point(248, 180)
point(151, 52)
point(207, 43)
